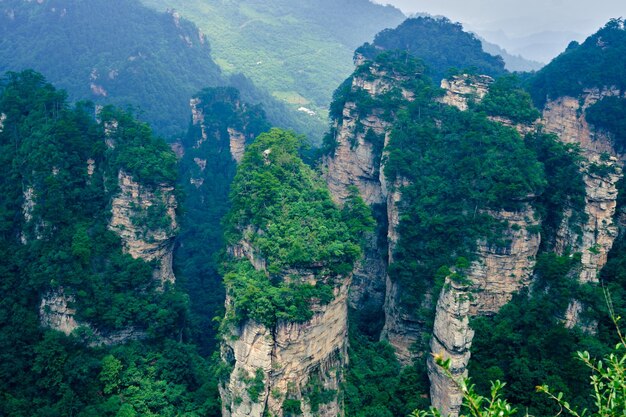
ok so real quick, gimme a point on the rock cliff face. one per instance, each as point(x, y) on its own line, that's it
point(565, 117)
point(358, 162)
point(501, 271)
point(288, 360)
point(462, 89)
point(235, 129)
point(135, 211)
point(497, 274)
point(452, 339)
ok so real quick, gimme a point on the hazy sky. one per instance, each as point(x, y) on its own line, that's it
point(519, 17)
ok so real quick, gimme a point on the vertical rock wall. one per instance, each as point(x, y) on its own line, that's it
point(131, 212)
point(492, 280)
point(292, 358)
point(565, 117)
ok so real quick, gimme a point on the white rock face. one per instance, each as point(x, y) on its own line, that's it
point(237, 144)
point(452, 339)
point(3, 118)
point(197, 118)
point(356, 163)
point(128, 210)
point(565, 117)
point(55, 313)
point(290, 356)
point(462, 89)
point(33, 227)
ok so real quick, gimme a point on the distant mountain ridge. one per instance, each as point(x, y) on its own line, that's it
point(126, 55)
point(298, 50)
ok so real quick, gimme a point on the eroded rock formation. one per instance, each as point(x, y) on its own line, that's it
point(288, 361)
point(602, 169)
point(145, 219)
point(452, 339)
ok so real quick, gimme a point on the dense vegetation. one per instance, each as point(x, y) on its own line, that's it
point(458, 166)
point(507, 99)
point(527, 345)
point(440, 43)
point(596, 63)
point(609, 114)
point(284, 211)
point(299, 50)
point(152, 62)
point(63, 245)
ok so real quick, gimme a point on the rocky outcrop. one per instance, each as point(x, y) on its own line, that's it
point(358, 162)
point(463, 89)
point(503, 269)
point(565, 117)
point(355, 162)
point(55, 312)
point(602, 169)
point(237, 144)
point(197, 119)
point(452, 339)
point(272, 367)
point(498, 272)
point(236, 136)
point(145, 219)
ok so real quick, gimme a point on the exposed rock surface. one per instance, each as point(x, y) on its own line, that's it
point(357, 162)
point(55, 313)
point(131, 212)
point(452, 339)
point(291, 357)
point(565, 117)
point(237, 144)
point(497, 274)
point(501, 271)
point(462, 89)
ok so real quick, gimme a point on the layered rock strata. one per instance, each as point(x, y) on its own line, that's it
point(565, 117)
point(131, 211)
point(357, 162)
point(55, 312)
point(452, 339)
point(291, 358)
point(493, 278)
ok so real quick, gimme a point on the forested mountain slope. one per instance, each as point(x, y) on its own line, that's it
point(126, 54)
point(88, 221)
point(452, 259)
point(442, 44)
point(298, 50)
